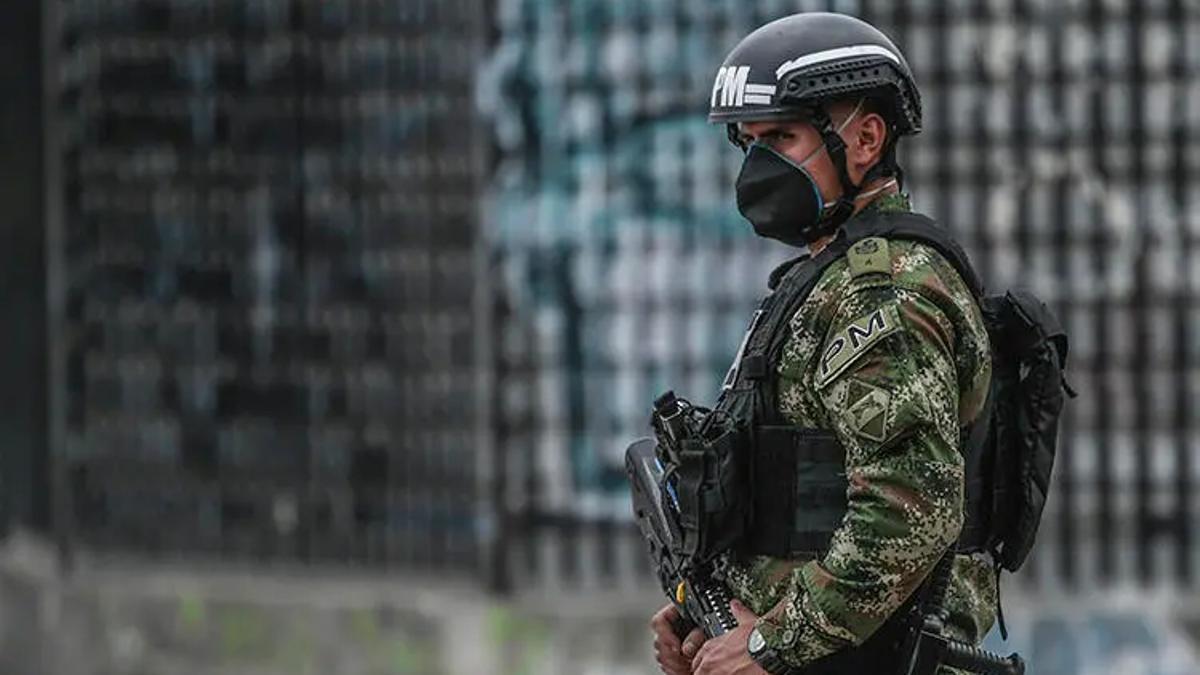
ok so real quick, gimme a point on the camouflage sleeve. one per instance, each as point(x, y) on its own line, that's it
point(886, 378)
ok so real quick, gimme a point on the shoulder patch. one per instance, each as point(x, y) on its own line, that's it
point(847, 344)
point(870, 256)
point(869, 412)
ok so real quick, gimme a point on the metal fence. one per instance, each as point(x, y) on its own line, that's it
point(278, 327)
point(269, 226)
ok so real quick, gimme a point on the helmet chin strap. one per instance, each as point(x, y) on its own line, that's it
point(840, 211)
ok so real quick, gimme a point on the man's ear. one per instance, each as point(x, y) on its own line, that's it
point(871, 137)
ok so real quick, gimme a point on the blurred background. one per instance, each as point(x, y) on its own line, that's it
point(326, 322)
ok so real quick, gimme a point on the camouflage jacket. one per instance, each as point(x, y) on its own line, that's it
point(897, 401)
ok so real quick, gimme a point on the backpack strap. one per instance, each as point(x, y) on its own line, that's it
point(922, 229)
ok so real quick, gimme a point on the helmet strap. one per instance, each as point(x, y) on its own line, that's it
point(731, 132)
point(841, 210)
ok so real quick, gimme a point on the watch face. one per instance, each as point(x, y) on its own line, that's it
point(756, 642)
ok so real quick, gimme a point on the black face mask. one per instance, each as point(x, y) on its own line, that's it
point(779, 198)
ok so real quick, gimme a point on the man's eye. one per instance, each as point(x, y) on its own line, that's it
point(769, 138)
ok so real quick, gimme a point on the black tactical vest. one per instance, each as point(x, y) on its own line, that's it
point(794, 470)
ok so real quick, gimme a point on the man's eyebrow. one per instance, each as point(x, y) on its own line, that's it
point(773, 129)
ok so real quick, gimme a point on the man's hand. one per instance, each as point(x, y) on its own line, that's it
point(726, 654)
point(674, 658)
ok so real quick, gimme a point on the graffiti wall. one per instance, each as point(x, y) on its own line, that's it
point(1059, 146)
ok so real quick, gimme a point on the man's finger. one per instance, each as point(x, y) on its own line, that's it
point(673, 667)
point(663, 619)
point(700, 654)
point(692, 643)
point(668, 651)
point(668, 639)
point(669, 658)
point(668, 614)
point(657, 622)
point(677, 668)
point(742, 613)
point(664, 632)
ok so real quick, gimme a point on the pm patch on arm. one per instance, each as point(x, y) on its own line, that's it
point(856, 339)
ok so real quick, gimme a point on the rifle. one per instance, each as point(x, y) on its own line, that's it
point(701, 600)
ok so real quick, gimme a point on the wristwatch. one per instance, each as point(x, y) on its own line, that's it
point(766, 657)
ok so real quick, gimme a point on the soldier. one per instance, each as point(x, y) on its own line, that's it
point(889, 352)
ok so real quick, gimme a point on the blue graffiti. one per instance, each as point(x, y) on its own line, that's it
point(609, 181)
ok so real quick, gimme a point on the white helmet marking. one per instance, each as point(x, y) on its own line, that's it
point(731, 88)
point(833, 54)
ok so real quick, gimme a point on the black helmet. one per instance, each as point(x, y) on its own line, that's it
point(792, 65)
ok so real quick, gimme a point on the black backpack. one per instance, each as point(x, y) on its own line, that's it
point(1029, 354)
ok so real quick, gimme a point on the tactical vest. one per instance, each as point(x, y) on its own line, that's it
point(744, 465)
point(801, 471)
point(747, 461)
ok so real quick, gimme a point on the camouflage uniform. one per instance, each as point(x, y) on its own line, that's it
point(897, 400)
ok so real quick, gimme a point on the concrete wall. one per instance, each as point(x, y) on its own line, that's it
point(111, 618)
